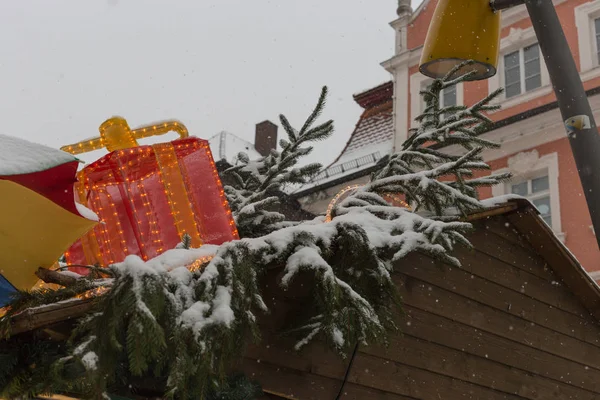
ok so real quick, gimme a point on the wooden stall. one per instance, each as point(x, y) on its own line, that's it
point(519, 320)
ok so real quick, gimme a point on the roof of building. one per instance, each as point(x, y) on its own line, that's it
point(226, 145)
point(372, 139)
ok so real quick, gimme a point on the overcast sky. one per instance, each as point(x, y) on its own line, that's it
point(67, 65)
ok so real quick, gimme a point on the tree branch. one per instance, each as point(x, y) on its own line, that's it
point(50, 276)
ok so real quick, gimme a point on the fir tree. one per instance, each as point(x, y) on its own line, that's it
point(255, 183)
point(183, 329)
point(431, 179)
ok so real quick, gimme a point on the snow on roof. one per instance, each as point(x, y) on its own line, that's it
point(19, 156)
point(372, 139)
point(225, 145)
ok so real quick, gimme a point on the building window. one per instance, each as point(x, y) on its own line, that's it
point(447, 96)
point(522, 70)
point(536, 190)
point(418, 82)
point(587, 21)
point(535, 178)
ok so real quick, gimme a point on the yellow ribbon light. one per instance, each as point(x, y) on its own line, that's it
point(115, 134)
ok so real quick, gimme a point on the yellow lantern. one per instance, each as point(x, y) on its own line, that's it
point(462, 30)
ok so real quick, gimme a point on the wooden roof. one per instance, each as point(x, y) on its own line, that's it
point(519, 320)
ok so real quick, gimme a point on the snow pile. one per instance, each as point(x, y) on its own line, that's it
point(18, 156)
point(86, 212)
point(89, 360)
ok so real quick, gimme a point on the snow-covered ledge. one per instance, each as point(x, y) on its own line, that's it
point(523, 166)
point(595, 275)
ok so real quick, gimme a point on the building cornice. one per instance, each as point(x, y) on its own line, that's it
point(403, 60)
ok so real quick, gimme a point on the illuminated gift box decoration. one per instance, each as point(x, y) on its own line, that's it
point(148, 197)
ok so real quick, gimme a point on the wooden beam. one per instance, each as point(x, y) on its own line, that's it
point(56, 277)
point(38, 317)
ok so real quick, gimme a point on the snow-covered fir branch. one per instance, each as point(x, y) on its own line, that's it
point(253, 184)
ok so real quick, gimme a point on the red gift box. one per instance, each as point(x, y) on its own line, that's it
point(147, 198)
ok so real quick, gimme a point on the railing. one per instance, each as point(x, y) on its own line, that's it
point(348, 166)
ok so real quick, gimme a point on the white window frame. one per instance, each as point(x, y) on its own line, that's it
point(585, 14)
point(522, 72)
point(416, 82)
point(518, 39)
point(529, 165)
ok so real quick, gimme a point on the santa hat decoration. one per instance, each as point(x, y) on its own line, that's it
point(39, 218)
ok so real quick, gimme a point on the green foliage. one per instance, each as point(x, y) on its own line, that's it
point(186, 242)
point(430, 178)
point(237, 387)
point(254, 183)
point(28, 367)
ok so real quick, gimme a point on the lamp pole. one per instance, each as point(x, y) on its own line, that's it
point(572, 99)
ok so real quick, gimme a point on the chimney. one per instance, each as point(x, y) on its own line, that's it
point(265, 139)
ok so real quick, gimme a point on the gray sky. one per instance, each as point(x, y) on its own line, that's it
point(215, 65)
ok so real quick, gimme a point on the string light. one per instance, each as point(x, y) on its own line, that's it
point(336, 198)
point(224, 202)
point(176, 192)
point(390, 197)
point(115, 133)
point(394, 199)
point(196, 265)
point(99, 291)
point(163, 164)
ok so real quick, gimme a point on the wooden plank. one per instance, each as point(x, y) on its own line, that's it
point(405, 380)
point(514, 302)
point(445, 303)
point(559, 258)
point(464, 338)
point(499, 210)
point(501, 226)
point(474, 369)
point(43, 316)
point(315, 357)
point(501, 249)
point(493, 269)
point(352, 391)
point(291, 383)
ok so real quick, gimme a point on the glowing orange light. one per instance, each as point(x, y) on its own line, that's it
point(392, 198)
point(99, 291)
point(196, 265)
point(337, 198)
point(122, 189)
point(115, 134)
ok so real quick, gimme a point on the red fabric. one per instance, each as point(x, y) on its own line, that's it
point(55, 184)
point(127, 192)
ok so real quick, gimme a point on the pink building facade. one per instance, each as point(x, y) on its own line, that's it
point(534, 149)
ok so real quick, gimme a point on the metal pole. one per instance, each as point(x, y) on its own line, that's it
point(572, 101)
